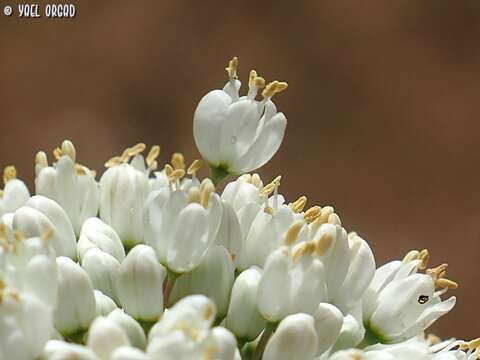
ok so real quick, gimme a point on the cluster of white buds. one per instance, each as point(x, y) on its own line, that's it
point(157, 265)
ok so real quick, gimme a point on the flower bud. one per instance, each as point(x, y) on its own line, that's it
point(140, 284)
point(60, 350)
point(123, 190)
point(103, 304)
point(105, 336)
point(223, 343)
point(295, 338)
point(76, 301)
point(71, 185)
point(96, 234)
point(217, 265)
point(15, 195)
point(42, 215)
point(102, 269)
point(128, 353)
point(328, 322)
point(243, 317)
point(132, 328)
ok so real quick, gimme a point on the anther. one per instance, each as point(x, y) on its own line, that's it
point(178, 161)
point(433, 339)
point(299, 204)
point(410, 256)
point(80, 169)
point(194, 195)
point(176, 175)
point(18, 236)
point(325, 213)
point(168, 170)
point(232, 67)
point(194, 167)
point(9, 173)
point(312, 214)
point(41, 161)
point(57, 153)
point(136, 149)
point(254, 83)
point(47, 234)
point(444, 283)
point(256, 181)
point(209, 311)
point(116, 160)
point(273, 88)
point(334, 219)
point(292, 233)
point(268, 210)
point(152, 156)
point(205, 193)
point(437, 272)
point(424, 256)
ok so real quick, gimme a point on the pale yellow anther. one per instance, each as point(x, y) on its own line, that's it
point(323, 244)
point(334, 219)
point(268, 210)
point(80, 169)
point(255, 81)
point(437, 272)
point(3, 284)
point(209, 311)
point(232, 67)
point(474, 344)
point(304, 248)
point(410, 256)
point(116, 160)
point(268, 189)
point(176, 175)
point(444, 283)
point(292, 233)
point(194, 195)
point(205, 193)
point(47, 234)
point(9, 173)
point(136, 149)
point(152, 156)
point(194, 167)
point(57, 153)
point(17, 235)
point(299, 204)
point(69, 150)
point(3, 231)
point(206, 183)
point(312, 214)
point(41, 159)
point(325, 213)
point(256, 180)
point(178, 161)
point(273, 88)
point(168, 170)
point(424, 257)
point(251, 78)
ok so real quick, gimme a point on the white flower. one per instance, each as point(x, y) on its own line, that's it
point(105, 336)
point(236, 134)
point(328, 321)
point(103, 304)
point(400, 302)
point(243, 317)
point(131, 327)
point(42, 214)
point(15, 194)
point(71, 185)
point(96, 234)
point(217, 265)
point(123, 190)
point(128, 353)
point(102, 269)
point(181, 226)
point(76, 300)
point(139, 284)
point(25, 325)
point(295, 338)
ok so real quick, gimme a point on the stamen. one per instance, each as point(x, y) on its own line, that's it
point(312, 214)
point(194, 195)
point(268, 210)
point(433, 339)
point(437, 272)
point(424, 256)
point(41, 160)
point(18, 236)
point(68, 149)
point(80, 169)
point(205, 192)
point(292, 233)
point(208, 313)
point(474, 344)
point(178, 161)
point(269, 188)
point(194, 167)
point(116, 160)
point(136, 149)
point(334, 219)
point(273, 88)
point(256, 181)
point(411, 255)
point(299, 204)
point(304, 248)
point(47, 234)
point(444, 283)
point(57, 153)
point(325, 213)
point(231, 69)
point(254, 83)
point(9, 173)
point(323, 244)
point(152, 156)
point(176, 175)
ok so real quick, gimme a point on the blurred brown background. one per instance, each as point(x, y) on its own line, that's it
point(383, 105)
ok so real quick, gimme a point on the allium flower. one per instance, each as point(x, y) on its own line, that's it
point(237, 134)
point(170, 270)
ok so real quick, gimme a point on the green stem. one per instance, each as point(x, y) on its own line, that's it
point(262, 343)
point(77, 337)
point(370, 338)
point(219, 173)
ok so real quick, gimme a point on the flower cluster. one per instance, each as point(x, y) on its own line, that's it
point(147, 264)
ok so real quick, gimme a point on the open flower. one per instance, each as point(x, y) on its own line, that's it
point(237, 134)
point(400, 302)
